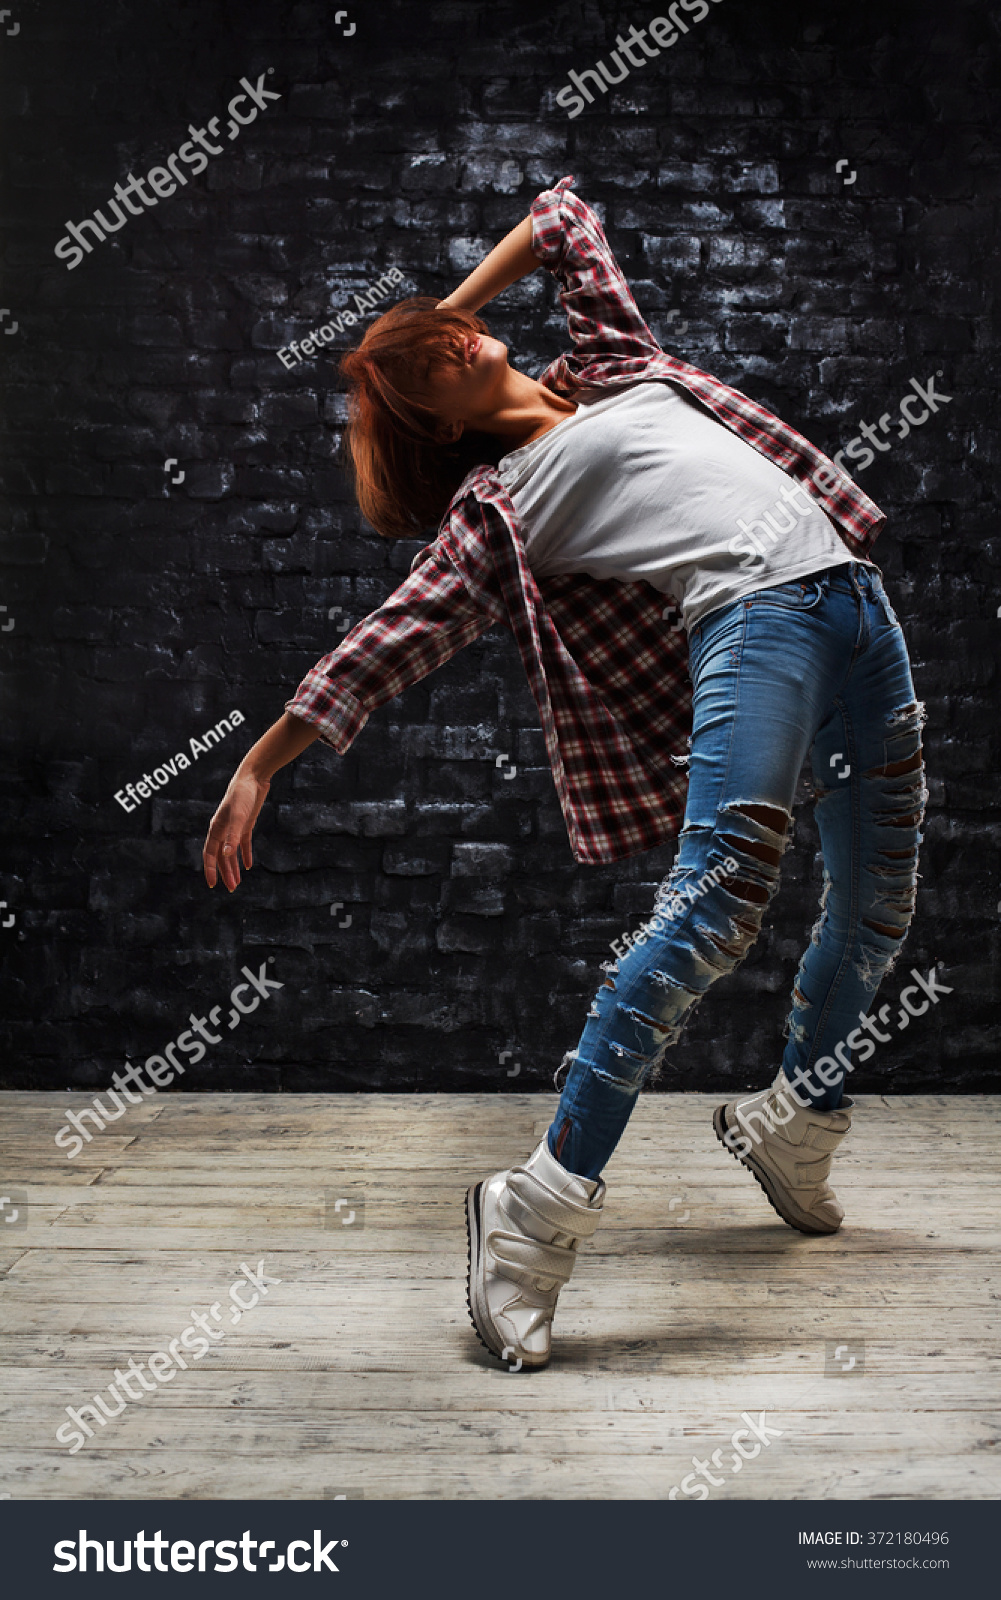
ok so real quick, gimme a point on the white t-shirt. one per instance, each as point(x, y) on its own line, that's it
point(646, 483)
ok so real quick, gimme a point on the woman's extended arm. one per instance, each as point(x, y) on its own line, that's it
point(507, 262)
point(428, 617)
point(240, 806)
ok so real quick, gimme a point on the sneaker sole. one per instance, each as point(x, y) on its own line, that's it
point(473, 1239)
point(774, 1194)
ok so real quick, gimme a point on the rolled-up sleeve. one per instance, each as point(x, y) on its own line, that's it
point(602, 316)
point(423, 623)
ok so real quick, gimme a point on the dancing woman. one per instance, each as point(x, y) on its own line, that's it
point(575, 509)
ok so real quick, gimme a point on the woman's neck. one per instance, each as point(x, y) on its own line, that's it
point(524, 411)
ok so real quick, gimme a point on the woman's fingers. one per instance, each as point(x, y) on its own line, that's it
point(230, 865)
point(209, 863)
point(230, 831)
point(219, 857)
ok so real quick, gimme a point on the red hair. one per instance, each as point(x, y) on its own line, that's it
point(405, 473)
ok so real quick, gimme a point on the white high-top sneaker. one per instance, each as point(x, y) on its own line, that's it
point(788, 1147)
point(524, 1225)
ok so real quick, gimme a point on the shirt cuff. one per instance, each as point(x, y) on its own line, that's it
point(332, 710)
point(548, 232)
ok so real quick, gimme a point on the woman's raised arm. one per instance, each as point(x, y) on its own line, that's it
point(507, 262)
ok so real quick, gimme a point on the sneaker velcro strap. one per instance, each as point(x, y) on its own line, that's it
point(826, 1139)
point(560, 1211)
point(530, 1257)
point(812, 1172)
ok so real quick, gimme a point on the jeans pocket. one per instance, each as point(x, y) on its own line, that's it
point(880, 594)
point(802, 594)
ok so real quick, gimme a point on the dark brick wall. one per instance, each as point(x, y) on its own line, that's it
point(145, 611)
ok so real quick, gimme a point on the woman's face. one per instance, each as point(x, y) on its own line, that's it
point(464, 388)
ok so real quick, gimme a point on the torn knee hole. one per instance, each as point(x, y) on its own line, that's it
point(771, 816)
point(651, 1022)
point(755, 892)
point(751, 847)
point(746, 933)
point(893, 769)
point(879, 927)
point(902, 822)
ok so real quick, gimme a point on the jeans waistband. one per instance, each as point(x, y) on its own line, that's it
point(853, 576)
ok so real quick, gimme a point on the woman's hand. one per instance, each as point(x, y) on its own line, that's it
point(232, 826)
point(240, 806)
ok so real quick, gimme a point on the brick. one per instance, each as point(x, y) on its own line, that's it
point(467, 935)
point(482, 860)
point(677, 254)
point(416, 861)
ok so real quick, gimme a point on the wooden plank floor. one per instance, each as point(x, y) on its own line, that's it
point(359, 1375)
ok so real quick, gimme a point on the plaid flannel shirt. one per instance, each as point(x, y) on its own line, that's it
point(608, 676)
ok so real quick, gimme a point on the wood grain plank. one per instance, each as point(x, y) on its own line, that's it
point(360, 1374)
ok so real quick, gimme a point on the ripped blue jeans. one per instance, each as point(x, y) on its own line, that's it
point(817, 666)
